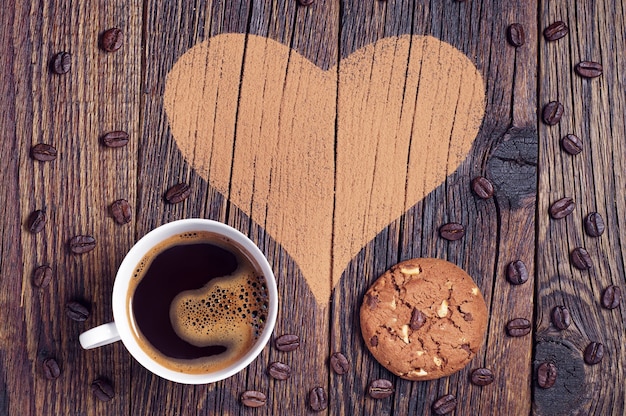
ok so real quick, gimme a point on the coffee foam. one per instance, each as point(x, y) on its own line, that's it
point(227, 311)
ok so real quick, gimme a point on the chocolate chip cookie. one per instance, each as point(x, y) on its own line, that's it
point(424, 319)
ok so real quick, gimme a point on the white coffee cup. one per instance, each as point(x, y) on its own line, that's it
point(120, 329)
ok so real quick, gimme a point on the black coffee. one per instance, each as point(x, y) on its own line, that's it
point(198, 304)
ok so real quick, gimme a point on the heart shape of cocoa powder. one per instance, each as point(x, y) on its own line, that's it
point(324, 160)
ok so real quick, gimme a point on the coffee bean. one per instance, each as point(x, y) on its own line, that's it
point(572, 144)
point(452, 231)
point(594, 353)
point(80, 244)
point(42, 276)
point(103, 390)
point(279, 371)
point(581, 259)
point(516, 272)
point(121, 211)
point(252, 398)
point(562, 208)
point(418, 319)
point(318, 399)
point(552, 113)
point(287, 342)
point(178, 193)
point(546, 375)
point(482, 376)
point(305, 2)
point(561, 317)
point(43, 152)
point(77, 311)
point(339, 363)
point(112, 39)
point(588, 69)
point(51, 369)
point(518, 327)
point(515, 35)
point(555, 31)
point(444, 404)
point(611, 297)
point(482, 187)
point(61, 63)
point(114, 139)
point(380, 389)
point(36, 221)
point(594, 224)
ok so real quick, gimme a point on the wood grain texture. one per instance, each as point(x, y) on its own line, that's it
point(595, 180)
point(520, 155)
point(70, 112)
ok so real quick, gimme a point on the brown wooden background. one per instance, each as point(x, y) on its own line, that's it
point(521, 155)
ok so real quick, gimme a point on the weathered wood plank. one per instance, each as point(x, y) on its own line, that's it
point(16, 381)
point(593, 111)
point(503, 224)
point(71, 112)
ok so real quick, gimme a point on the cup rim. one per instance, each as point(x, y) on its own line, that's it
point(124, 277)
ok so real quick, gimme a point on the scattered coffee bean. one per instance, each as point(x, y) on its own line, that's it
point(572, 144)
point(61, 63)
point(444, 404)
point(452, 231)
point(380, 389)
point(516, 272)
point(305, 2)
point(588, 69)
point(252, 398)
point(482, 187)
point(80, 244)
point(178, 193)
point(418, 319)
point(518, 327)
point(555, 31)
point(36, 221)
point(374, 341)
point(515, 35)
point(482, 376)
point(103, 390)
point(77, 311)
point(115, 139)
point(561, 317)
point(594, 353)
point(552, 113)
point(594, 224)
point(562, 208)
point(43, 152)
point(279, 371)
point(51, 369)
point(339, 363)
point(42, 276)
point(612, 297)
point(581, 259)
point(546, 375)
point(111, 40)
point(121, 212)
point(318, 399)
point(287, 342)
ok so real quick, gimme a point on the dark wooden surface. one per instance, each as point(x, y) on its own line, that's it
point(124, 90)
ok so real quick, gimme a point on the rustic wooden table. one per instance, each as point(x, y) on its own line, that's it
point(125, 90)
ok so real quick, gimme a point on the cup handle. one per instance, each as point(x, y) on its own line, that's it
point(99, 336)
